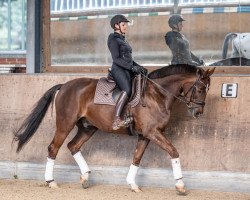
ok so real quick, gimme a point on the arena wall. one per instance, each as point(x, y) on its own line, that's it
point(217, 142)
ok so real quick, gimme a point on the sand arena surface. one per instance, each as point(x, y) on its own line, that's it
point(37, 190)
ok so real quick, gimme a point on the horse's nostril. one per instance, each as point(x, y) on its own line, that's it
point(198, 114)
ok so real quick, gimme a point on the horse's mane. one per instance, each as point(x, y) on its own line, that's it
point(173, 69)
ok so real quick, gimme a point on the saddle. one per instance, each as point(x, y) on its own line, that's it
point(107, 92)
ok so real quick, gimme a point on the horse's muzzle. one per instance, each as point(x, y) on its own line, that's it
point(197, 114)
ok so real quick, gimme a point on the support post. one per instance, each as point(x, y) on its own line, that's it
point(46, 47)
point(33, 55)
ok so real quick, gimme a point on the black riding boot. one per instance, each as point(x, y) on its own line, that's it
point(117, 123)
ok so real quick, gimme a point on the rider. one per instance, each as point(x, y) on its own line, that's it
point(123, 67)
point(178, 44)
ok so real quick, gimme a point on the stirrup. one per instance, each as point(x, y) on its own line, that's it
point(118, 123)
point(128, 119)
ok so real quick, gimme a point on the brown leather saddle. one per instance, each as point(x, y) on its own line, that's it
point(107, 92)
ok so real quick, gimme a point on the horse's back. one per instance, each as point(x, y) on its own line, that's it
point(77, 85)
point(74, 94)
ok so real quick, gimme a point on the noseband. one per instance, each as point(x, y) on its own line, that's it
point(189, 102)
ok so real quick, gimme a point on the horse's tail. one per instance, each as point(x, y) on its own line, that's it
point(32, 122)
point(228, 38)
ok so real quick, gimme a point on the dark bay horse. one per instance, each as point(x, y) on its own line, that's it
point(75, 107)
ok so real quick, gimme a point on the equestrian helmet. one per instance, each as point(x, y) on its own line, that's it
point(117, 19)
point(174, 20)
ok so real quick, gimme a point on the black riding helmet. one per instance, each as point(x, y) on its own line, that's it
point(117, 19)
point(174, 20)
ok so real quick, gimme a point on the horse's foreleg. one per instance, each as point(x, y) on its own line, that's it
point(74, 146)
point(139, 151)
point(165, 144)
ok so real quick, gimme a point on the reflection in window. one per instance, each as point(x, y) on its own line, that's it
point(208, 1)
point(81, 5)
point(205, 27)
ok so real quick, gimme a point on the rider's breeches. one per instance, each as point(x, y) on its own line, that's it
point(123, 79)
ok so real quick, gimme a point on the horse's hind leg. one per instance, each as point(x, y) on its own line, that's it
point(63, 127)
point(139, 151)
point(53, 149)
point(82, 136)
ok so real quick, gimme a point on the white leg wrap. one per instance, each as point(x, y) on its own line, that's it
point(131, 174)
point(81, 162)
point(176, 168)
point(49, 169)
point(180, 183)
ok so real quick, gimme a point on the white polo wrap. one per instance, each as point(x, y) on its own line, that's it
point(131, 174)
point(49, 169)
point(176, 168)
point(81, 162)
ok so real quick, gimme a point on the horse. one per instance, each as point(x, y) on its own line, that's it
point(240, 55)
point(240, 47)
point(75, 107)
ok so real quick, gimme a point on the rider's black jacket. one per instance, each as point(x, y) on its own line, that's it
point(121, 51)
point(122, 68)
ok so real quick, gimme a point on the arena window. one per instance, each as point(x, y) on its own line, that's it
point(206, 26)
point(83, 5)
point(13, 25)
point(12, 35)
point(58, 6)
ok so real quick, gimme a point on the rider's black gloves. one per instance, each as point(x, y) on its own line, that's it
point(136, 69)
point(139, 69)
point(144, 71)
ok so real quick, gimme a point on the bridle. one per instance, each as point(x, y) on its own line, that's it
point(188, 101)
point(191, 102)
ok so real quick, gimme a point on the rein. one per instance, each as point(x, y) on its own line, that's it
point(143, 88)
point(183, 97)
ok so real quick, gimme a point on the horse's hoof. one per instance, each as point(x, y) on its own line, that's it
point(135, 188)
point(85, 184)
point(53, 185)
point(181, 191)
point(84, 181)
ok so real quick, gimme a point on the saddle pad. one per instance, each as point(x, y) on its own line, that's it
point(104, 89)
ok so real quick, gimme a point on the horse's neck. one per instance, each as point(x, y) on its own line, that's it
point(171, 86)
point(173, 83)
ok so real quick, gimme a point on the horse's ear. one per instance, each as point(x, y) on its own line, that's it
point(208, 72)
